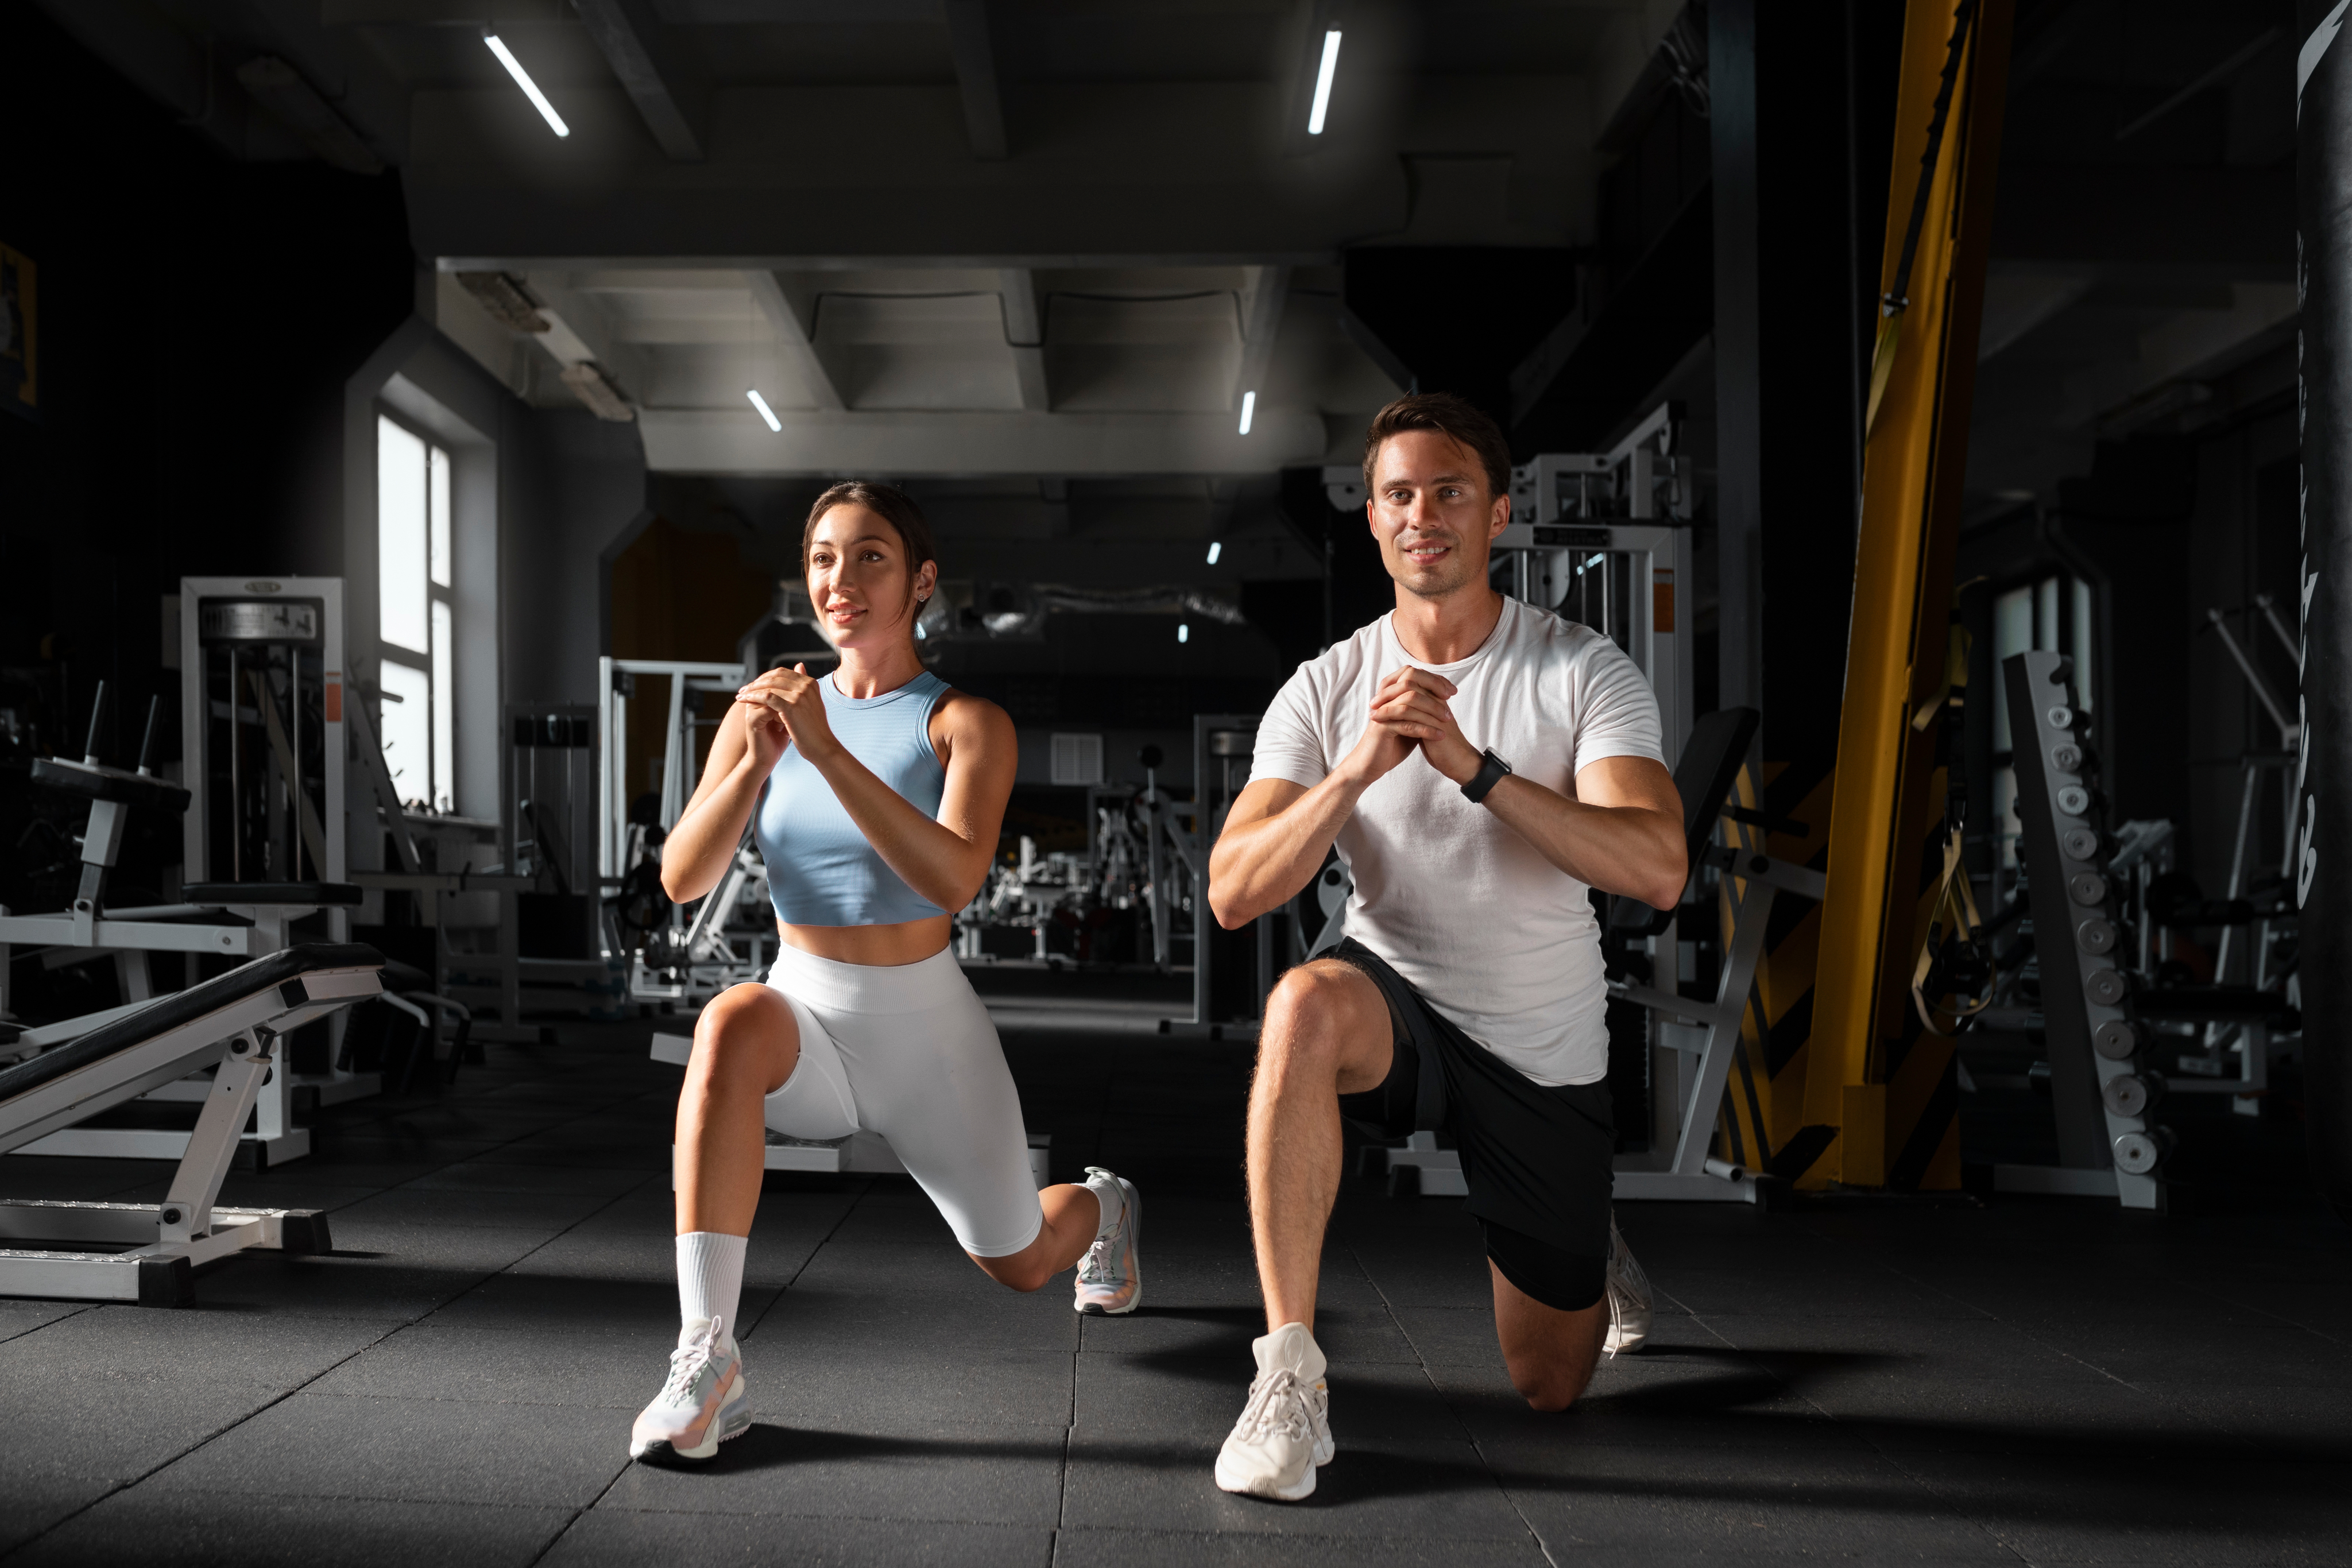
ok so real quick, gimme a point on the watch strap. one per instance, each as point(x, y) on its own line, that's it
point(1491, 772)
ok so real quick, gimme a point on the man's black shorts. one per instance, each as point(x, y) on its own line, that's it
point(1538, 1160)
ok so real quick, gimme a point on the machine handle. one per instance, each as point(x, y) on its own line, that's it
point(147, 738)
point(97, 712)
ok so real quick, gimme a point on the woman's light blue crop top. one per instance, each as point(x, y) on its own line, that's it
point(821, 870)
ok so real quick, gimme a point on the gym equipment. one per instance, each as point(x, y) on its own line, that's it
point(1225, 1004)
point(1859, 1078)
point(1706, 1034)
point(232, 1023)
point(859, 1154)
point(731, 946)
point(259, 919)
point(2100, 1020)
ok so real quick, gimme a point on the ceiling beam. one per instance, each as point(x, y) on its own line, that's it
point(654, 71)
point(1025, 333)
point(975, 64)
point(970, 445)
point(793, 320)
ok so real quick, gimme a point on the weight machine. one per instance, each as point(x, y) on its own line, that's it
point(671, 960)
point(264, 760)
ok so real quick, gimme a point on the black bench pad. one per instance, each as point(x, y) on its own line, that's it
point(221, 893)
point(184, 1006)
point(98, 783)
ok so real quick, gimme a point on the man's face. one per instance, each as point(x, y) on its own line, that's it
point(1431, 513)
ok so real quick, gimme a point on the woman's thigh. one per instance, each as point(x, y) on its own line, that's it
point(935, 1084)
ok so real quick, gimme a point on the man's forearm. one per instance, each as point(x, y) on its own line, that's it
point(1258, 866)
point(1628, 850)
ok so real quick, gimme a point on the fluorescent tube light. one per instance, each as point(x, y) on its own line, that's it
point(1249, 410)
point(1322, 82)
point(556, 122)
point(1184, 633)
point(1216, 548)
point(765, 412)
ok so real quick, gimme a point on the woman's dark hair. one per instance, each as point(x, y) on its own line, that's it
point(889, 502)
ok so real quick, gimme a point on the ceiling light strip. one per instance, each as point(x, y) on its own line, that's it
point(1323, 75)
point(556, 122)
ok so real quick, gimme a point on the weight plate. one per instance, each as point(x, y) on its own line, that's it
point(2095, 936)
point(2115, 1041)
point(2073, 800)
point(2080, 843)
point(2137, 1153)
point(2105, 987)
point(2126, 1096)
point(2088, 887)
point(2062, 718)
point(2066, 758)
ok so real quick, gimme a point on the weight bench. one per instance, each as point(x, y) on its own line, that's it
point(232, 1021)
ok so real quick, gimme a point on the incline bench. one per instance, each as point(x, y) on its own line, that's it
point(234, 1020)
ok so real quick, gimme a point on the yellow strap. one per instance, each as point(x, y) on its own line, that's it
point(1952, 892)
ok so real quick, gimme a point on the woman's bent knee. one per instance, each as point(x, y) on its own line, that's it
point(1018, 1272)
point(746, 1030)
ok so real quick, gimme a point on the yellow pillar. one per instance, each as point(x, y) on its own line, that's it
point(1913, 466)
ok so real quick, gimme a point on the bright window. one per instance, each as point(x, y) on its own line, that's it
point(415, 615)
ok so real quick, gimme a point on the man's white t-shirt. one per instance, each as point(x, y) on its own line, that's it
point(1500, 941)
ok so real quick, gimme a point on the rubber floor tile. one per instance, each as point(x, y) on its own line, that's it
point(624, 1538)
point(413, 1205)
point(802, 1384)
point(205, 1344)
point(605, 1369)
point(420, 1450)
point(1009, 1475)
point(164, 1527)
point(1100, 1548)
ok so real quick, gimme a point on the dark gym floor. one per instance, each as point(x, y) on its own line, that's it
point(2035, 1381)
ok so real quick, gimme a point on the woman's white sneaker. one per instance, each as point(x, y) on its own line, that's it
point(1111, 1275)
point(702, 1402)
point(1629, 1297)
point(1284, 1430)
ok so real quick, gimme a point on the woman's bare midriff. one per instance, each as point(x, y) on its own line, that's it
point(882, 946)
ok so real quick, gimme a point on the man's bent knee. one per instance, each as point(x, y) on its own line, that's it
point(1318, 1013)
point(1547, 1385)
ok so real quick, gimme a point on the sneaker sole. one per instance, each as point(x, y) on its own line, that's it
point(734, 1420)
point(1135, 1218)
point(1304, 1489)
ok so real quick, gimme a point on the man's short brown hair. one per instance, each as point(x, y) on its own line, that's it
point(1450, 415)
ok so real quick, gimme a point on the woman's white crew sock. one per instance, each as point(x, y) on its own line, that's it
point(710, 1279)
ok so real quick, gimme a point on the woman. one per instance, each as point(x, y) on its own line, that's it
point(878, 793)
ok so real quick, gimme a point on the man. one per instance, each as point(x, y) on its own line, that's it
point(1480, 764)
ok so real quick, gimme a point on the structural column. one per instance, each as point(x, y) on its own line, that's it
point(2323, 883)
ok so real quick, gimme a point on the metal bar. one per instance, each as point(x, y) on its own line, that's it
point(2254, 677)
point(196, 1185)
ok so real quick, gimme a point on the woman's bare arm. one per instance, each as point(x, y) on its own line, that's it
point(699, 848)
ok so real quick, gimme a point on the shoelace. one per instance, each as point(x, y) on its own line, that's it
point(1095, 1268)
point(1280, 1386)
point(687, 1362)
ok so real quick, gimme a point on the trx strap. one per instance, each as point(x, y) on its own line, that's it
point(1953, 954)
point(1897, 299)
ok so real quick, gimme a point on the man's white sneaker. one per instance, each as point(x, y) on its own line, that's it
point(1111, 1275)
point(1284, 1430)
point(1629, 1297)
point(703, 1402)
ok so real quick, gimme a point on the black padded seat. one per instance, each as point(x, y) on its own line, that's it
point(220, 895)
point(282, 971)
point(94, 782)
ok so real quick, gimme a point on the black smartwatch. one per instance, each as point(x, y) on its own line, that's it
point(1490, 773)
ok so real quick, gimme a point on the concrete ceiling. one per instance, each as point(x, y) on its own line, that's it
point(943, 237)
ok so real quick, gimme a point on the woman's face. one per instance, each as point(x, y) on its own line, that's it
point(858, 578)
